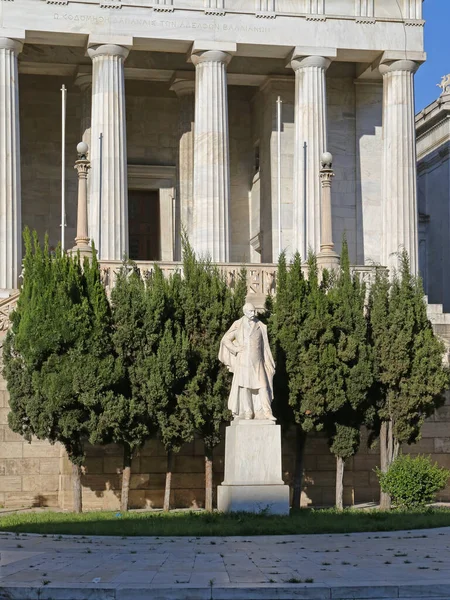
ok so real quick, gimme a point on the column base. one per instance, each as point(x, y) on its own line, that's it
point(328, 260)
point(273, 499)
point(85, 251)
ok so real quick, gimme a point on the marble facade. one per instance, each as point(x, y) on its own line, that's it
point(177, 100)
point(433, 166)
point(194, 87)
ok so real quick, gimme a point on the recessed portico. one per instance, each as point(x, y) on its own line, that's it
point(193, 91)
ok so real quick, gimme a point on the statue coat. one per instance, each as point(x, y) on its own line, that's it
point(253, 366)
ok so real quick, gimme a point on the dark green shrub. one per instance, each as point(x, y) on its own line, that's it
point(413, 482)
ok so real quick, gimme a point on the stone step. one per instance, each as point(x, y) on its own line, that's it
point(435, 308)
point(439, 318)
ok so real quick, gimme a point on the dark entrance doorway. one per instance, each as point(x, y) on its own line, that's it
point(144, 224)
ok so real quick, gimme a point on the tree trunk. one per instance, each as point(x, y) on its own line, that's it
point(126, 476)
point(166, 506)
point(340, 465)
point(298, 474)
point(76, 489)
point(208, 479)
point(396, 449)
point(385, 499)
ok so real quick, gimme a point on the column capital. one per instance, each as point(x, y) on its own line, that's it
point(390, 66)
point(108, 50)
point(210, 56)
point(302, 62)
point(183, 83)
point(11, 44)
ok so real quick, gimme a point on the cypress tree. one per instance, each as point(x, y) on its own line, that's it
point(162, 366)
point(409, 375)
point(125, 419)
point(348, 406)
point(210, 307)
point(60, 340)
point(288, 312)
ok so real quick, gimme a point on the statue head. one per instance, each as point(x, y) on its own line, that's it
point(249, 311)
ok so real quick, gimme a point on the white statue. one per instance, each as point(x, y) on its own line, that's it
point(445, 84)
point(245, 350)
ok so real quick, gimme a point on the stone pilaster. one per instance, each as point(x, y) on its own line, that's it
point(83, 81)
point(10, 191)
point(399, 225)
point(108, 209)
point(184, 87)
point(310, 143)
point(211, 208)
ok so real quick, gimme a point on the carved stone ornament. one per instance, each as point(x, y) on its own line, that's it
point(444, 85)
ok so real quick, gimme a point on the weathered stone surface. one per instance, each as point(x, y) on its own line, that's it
point(24, 466)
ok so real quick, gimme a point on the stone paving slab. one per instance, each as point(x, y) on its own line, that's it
point(361, 566)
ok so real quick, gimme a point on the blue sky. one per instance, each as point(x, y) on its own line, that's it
point(437, 47)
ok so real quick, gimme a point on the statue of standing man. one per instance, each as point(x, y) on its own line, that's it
point(245, 350)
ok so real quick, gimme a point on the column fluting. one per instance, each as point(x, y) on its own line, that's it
point(10, 186)
point(310, 129)
point(399, 203)
point(108, 208)
point(211, 190)
point(185, 90)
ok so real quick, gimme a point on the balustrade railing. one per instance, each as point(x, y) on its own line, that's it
point(261, 277)
point(261, 280)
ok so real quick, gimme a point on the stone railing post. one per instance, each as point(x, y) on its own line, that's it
point(82, 166)
point(327, 257)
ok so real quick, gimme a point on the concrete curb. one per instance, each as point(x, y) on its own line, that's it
point(229, 592)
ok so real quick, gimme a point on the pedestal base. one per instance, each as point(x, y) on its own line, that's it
point(273, 499)
point(253, 480)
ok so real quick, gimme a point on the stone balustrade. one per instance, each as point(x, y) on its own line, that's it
point(261, 280)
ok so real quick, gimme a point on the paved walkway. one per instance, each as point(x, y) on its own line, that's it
point(406, 565)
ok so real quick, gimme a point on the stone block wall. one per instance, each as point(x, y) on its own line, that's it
point(29, 473)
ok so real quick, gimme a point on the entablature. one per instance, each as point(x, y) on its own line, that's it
point(358, 30)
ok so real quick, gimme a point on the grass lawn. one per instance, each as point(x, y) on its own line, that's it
point(305, 521)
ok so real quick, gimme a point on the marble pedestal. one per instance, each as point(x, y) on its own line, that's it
point(253, 480)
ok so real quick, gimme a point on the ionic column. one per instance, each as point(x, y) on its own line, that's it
point(108, 182)
point(211, 192)
point(185, 90)
point(10, 191)
point(310, 143)
point(399, 205)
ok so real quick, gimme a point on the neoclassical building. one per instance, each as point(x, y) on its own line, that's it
point(433, 161)
point(178, 101)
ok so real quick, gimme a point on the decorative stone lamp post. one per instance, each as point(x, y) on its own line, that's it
point(82, 165)
point(327, 257)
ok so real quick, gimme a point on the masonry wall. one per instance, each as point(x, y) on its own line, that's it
point(29, 473)
point(40, 138)
point(341, 143)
